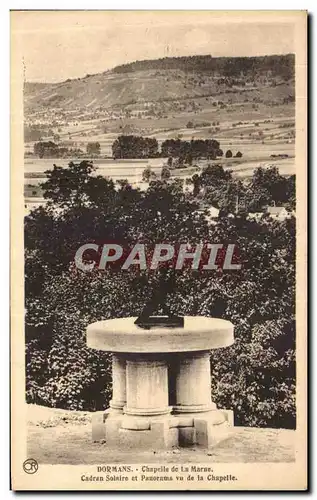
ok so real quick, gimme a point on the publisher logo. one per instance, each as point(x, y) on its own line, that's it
point(30, 466)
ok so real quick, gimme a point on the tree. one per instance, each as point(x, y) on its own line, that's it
point(132, 146)
point(189, 159)
point(291, 192)
point(271, 185)
point(215, 175)
point(196, 183)
point(165, 173)
point(74, 186)
point(148, 174)
point(170, 162)
point(229, 153)
point(93, 148)
point(46, 149)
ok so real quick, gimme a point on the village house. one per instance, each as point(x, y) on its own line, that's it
point(278, 213)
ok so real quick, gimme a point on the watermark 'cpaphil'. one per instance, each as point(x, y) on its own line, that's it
point(201, 256)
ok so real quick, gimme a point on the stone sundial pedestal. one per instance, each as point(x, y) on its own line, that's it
point(161, 383)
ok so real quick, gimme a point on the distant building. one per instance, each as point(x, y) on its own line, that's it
point(278, 213)
point(256, 215)
point(212, 213)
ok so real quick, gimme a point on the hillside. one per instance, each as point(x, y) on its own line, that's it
point(267, 79)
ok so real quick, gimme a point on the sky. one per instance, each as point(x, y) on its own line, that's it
point(56, 45)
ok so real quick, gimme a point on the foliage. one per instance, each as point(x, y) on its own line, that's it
point(266, 187)
point(132, 146)
point(51, 150)
point(148, 174)
point(165, 173)
point(197, 148)
point(45, 149)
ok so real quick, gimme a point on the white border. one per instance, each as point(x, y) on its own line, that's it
point(5, 6)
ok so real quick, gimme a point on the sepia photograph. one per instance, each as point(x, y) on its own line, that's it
point(158, 250)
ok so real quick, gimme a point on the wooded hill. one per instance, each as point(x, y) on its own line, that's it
point(278, 65)
point(267, 78)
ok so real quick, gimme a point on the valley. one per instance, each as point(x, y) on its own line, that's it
point(247, 108)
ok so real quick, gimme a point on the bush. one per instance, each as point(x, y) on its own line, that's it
point(165, 173)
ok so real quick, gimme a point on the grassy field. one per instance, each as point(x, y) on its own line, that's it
point(132, 171)
point(173, 126)
point(256, 140)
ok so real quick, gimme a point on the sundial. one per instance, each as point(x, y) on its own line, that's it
point(161, 376)
point(157, 300)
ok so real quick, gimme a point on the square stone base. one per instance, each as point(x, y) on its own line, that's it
point(201, 429)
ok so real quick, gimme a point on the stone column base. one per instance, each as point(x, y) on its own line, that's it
point(204, 429)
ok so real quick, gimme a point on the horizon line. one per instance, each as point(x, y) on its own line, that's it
point(151, 59)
